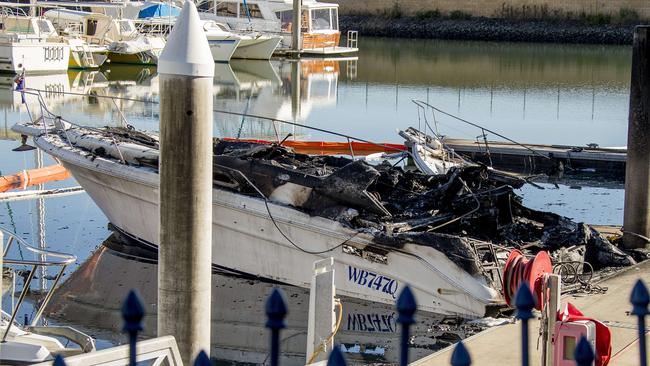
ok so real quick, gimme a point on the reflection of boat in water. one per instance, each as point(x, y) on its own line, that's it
point(280, 100)
point(92, 297)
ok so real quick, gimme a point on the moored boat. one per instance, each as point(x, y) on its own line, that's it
point(369, 265)
point(24, 45)
point(319, 22)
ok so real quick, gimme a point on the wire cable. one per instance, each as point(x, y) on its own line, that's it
point(268, 210)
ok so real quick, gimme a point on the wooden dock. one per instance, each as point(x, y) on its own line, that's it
point(501, 345)
point(553, 160)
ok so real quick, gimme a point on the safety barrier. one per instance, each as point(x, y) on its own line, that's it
point(276, 311)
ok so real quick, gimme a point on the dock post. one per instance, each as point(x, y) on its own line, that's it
point(636, 221)
point(296, 27)
point(186, 71)
point(321, 321)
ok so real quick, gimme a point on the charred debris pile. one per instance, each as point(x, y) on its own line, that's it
point(450, 212)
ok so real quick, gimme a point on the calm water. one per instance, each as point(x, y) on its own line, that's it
point(532, 93)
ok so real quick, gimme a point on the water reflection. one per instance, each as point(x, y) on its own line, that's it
point(555, 94)
point(533, 93)
point(91, 299)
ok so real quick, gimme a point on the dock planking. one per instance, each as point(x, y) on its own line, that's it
point(612, 308)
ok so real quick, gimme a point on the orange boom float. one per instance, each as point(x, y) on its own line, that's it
point(32, 177)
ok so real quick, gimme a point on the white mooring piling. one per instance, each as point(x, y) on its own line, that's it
point(636, 220)
point(321, 321)
point(186, 71)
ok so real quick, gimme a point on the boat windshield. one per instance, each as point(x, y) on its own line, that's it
point(126, 27)
point(45, 26)
point(324, 19)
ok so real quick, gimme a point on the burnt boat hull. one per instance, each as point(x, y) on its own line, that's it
point(247, 240)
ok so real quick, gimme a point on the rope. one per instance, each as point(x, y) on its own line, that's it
point(635, 235)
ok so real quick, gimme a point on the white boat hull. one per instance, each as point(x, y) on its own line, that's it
point(33, 57)
point(223, 49)
point(246, 240)
point(261, 48)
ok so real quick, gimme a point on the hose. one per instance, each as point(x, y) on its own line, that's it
point(321, 347)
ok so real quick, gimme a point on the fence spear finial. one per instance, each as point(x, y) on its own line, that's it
point(460, 356)
point(406, 307)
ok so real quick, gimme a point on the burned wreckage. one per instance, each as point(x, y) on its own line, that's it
point(278, 211)
point(450, 212)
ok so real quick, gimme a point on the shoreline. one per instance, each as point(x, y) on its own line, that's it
point(488, 29)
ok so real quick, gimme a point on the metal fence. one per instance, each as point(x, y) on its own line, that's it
point(276, 311)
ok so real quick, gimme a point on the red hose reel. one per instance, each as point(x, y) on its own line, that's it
point(519, 269)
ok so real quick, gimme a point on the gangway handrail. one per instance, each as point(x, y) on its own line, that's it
point(66, 259)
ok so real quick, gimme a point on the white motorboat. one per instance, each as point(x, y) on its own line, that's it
point(73, 26)
point(225, 44)
point(24, 45)
point(319, 28)
point(257, 46)
point(369, 265)
point(28, 344)
point(117, 37)
point(222, 43)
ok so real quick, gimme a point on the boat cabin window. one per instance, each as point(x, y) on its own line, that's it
point(44, 26)
point(19, 25)
point(227, 9)
point(286, 17)
point(286, 20)
point(253, 10)
point(324, 19)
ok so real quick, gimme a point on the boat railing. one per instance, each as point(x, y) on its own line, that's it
point(351, 144)
point(425, 107)
point(46, 258)
point(7, 11)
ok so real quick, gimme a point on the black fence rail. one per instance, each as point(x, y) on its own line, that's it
point(276, 311)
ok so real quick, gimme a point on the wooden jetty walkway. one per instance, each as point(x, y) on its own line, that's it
point(537, 158)
point(501, 345)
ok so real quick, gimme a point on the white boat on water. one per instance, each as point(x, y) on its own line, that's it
point(25, 45)
point(118, 37)
point(222, 43)
point(251, 45)
point(273, 238)
point(319, 21)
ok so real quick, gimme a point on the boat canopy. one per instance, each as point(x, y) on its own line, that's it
point(156, 10)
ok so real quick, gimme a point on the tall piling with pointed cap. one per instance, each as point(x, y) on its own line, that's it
point(636, 220)
point(186, 71)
